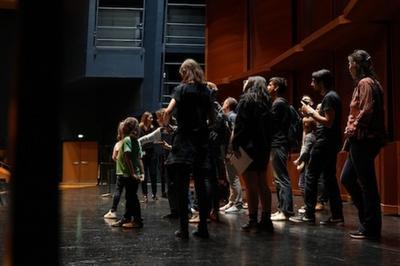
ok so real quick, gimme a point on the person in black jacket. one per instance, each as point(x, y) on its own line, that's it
point(252, 133)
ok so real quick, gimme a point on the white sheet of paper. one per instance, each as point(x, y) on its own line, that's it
point(152, 137)
point(241, 164)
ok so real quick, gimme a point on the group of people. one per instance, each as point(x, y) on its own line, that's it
point(260, 123)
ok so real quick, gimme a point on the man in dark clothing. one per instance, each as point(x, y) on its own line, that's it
point(324, 152)
point(280, 148)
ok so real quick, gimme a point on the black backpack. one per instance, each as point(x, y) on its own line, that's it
point(295, 129)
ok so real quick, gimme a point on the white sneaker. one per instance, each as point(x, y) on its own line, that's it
point(232, 209)
point(279, 217)
point(276, 213)
point(110, 215)
point(227, 206)
point(302, 210)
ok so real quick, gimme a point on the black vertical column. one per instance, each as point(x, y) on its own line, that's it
point(35, 199)
point(153, 39)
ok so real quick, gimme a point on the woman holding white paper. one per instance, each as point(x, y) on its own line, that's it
point(252, 135)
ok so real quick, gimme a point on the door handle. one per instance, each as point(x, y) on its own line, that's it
point(75, 163)
point(85, 162)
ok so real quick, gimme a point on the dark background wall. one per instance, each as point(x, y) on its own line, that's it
point(93, 107)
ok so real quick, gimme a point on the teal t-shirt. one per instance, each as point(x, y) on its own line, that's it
point(131, 146)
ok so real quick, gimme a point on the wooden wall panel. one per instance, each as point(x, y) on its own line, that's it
point(339, 6)
point(271, 28)
point(395, 80)
point(386, 166)
point(8, 4)
point(226, 38)
point(398, 175)
point(312, 14)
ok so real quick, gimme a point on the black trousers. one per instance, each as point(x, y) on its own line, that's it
point(358, 176)
point(322, 162)
point(132, 205)
point(180, 176)
point(150, 171)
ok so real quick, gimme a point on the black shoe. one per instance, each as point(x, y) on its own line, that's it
point(250, 226)
point(182, 234)
point(364, 235)
point(302, 219)
point(266, 226)
point(332, 221)
point(171, 216)
point(201, 233)
point(164, 195)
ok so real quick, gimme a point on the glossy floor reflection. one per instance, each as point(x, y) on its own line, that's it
point(87, 238)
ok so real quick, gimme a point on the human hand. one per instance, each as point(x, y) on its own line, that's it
point(139, 178)
point(300, 166)
point(349, 131)
point(306, 109)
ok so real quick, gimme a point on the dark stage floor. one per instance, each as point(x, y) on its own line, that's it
point(88, 239)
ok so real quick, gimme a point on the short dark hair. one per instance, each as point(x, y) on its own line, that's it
point(280, 82)
point(323, 76)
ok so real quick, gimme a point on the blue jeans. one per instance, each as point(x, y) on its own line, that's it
point(358, 176)
point(279, 157)
point(119, 187)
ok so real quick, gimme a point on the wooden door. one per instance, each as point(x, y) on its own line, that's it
point(80, 162)
point(88, 163)
point(71, 162)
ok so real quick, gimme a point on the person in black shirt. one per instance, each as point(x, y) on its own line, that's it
point(324, 152)
point(193, 102)
point(280, 148)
